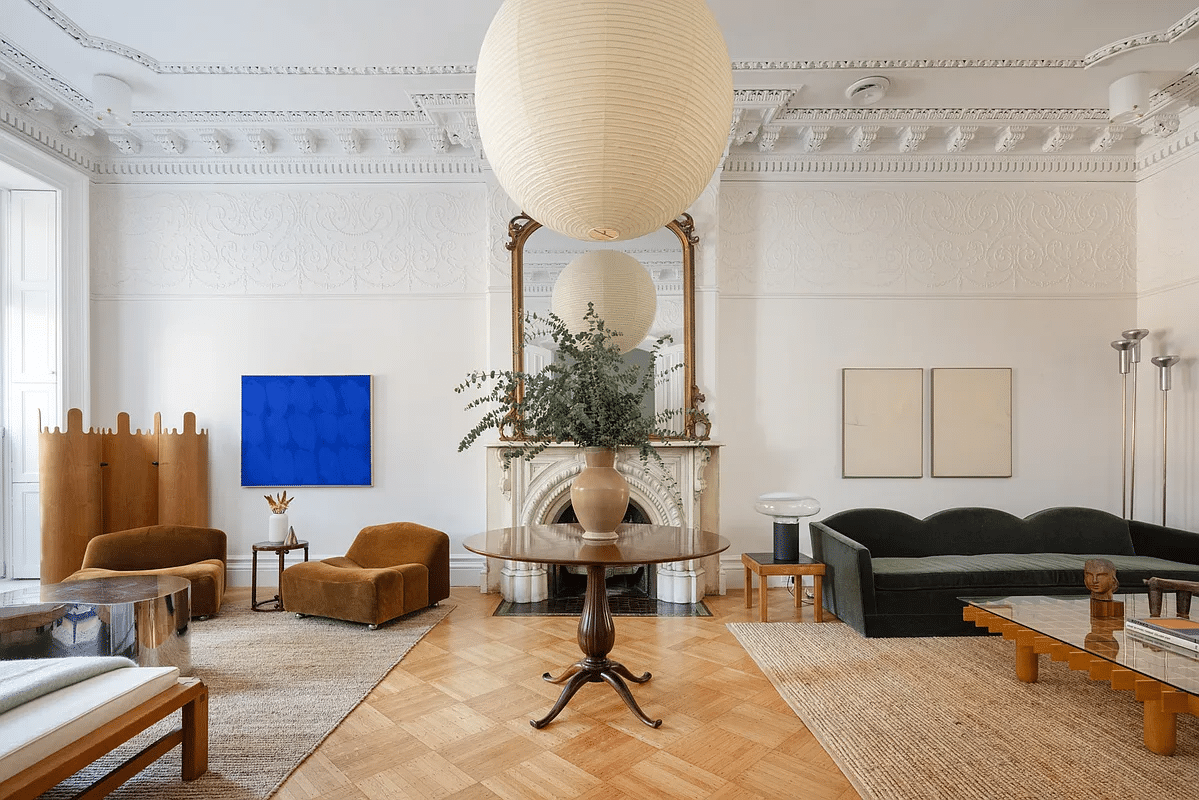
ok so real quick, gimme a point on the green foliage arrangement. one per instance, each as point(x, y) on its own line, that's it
point(588, 396)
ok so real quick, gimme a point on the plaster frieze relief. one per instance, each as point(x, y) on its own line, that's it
point(923, 240)
point(398, 240)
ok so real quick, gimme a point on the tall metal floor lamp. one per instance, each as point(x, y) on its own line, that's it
point(1135, 336)
point(1164, 383)
point(1124, 348)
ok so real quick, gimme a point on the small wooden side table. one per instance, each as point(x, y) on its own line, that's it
point(282, 548)
point(763, 565)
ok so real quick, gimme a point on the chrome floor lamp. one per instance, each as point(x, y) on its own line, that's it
point(1164, 383)
point(1124, 348)
point(1135, 335)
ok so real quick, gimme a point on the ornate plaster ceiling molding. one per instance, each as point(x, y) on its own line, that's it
point(911, 63)
point(286, 169)
point(63, 144)
point(1158, 155)
point(77, 33)
point(944, 115)
point(940, 166)
point(18, 63)
point(1170, 34)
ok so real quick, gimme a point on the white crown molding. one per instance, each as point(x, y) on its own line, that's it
point(911, 63)
point(438, 138)
point(995, 116)
point(62, 144)
point(286, 169)
point(949, 166)
point(85, 39)
point(1159, 155)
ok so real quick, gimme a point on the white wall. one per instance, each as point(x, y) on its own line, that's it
point(820, 277)
point(1168, 286)
point(196, 286)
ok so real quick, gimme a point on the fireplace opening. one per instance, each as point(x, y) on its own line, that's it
point(635, 580)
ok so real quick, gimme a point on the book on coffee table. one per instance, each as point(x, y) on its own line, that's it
point(1176, 631)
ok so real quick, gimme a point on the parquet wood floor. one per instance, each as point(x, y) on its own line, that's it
point(451, 721)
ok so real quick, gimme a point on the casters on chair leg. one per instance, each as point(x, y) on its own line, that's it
point(300, 616)
point(373, 627)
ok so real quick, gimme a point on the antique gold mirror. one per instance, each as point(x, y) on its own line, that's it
point(539, 255)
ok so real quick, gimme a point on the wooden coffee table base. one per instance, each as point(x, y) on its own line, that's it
point(1162, 702)
point(597, 634)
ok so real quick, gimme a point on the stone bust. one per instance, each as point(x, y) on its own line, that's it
point(1099, 575)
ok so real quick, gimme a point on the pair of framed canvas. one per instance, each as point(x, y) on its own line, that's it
point(882, 422)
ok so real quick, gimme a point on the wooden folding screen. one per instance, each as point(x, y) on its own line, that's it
point(99, 481)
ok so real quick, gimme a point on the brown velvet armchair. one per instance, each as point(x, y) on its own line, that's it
point(390, 570)
point(198, 554)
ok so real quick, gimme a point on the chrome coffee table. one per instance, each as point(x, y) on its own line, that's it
point(142, 617)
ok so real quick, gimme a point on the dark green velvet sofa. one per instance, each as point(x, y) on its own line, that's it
point(891, 574)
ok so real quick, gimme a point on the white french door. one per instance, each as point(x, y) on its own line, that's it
point(29, 358)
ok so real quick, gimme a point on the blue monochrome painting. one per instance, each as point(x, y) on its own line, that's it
point(306, 430)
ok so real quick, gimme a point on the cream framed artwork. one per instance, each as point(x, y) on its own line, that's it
point(882, 423)
point(972, 422)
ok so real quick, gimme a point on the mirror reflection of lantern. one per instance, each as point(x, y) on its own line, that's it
point(618, 286)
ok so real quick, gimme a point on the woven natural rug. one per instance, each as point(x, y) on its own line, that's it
point(277, 686)
point(943, 718)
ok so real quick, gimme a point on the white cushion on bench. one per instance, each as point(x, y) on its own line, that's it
point(35, 730)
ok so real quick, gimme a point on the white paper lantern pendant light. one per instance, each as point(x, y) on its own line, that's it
point(620, 288)
point(604, 119)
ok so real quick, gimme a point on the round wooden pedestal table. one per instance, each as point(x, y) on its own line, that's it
point(564, 544)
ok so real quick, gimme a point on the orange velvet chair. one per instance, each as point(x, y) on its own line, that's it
point(198, 554)
point(390, 570)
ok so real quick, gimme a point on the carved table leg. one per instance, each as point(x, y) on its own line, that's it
point(597, 634)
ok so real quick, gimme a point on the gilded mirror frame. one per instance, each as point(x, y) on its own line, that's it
point(696, 425)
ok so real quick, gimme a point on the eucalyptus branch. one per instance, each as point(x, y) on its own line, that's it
point(588, 396)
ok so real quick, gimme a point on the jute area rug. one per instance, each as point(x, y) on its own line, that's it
point(277, 687)
point(946, 718)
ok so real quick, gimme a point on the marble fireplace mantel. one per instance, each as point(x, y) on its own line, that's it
point(535, 492)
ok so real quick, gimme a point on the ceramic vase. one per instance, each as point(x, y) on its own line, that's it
point(276, 529)
point(599, 495)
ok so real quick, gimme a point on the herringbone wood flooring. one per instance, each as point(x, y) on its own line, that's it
point(452, 719)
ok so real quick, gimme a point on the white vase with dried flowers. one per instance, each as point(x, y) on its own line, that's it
point(276, 530)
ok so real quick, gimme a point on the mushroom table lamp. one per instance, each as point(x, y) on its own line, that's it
point(786, 508)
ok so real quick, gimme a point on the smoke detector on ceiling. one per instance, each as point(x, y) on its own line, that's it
point(868, 91)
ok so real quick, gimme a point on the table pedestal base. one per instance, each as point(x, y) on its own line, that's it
point(593, 671)
point(597, 634)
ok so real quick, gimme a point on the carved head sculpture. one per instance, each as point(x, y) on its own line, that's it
point(1099, 575)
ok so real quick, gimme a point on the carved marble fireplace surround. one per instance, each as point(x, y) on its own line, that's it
point(535, 492)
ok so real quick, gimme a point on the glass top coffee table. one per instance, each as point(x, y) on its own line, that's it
point(564, 544)
point(1164, 678)
point(142, 617)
